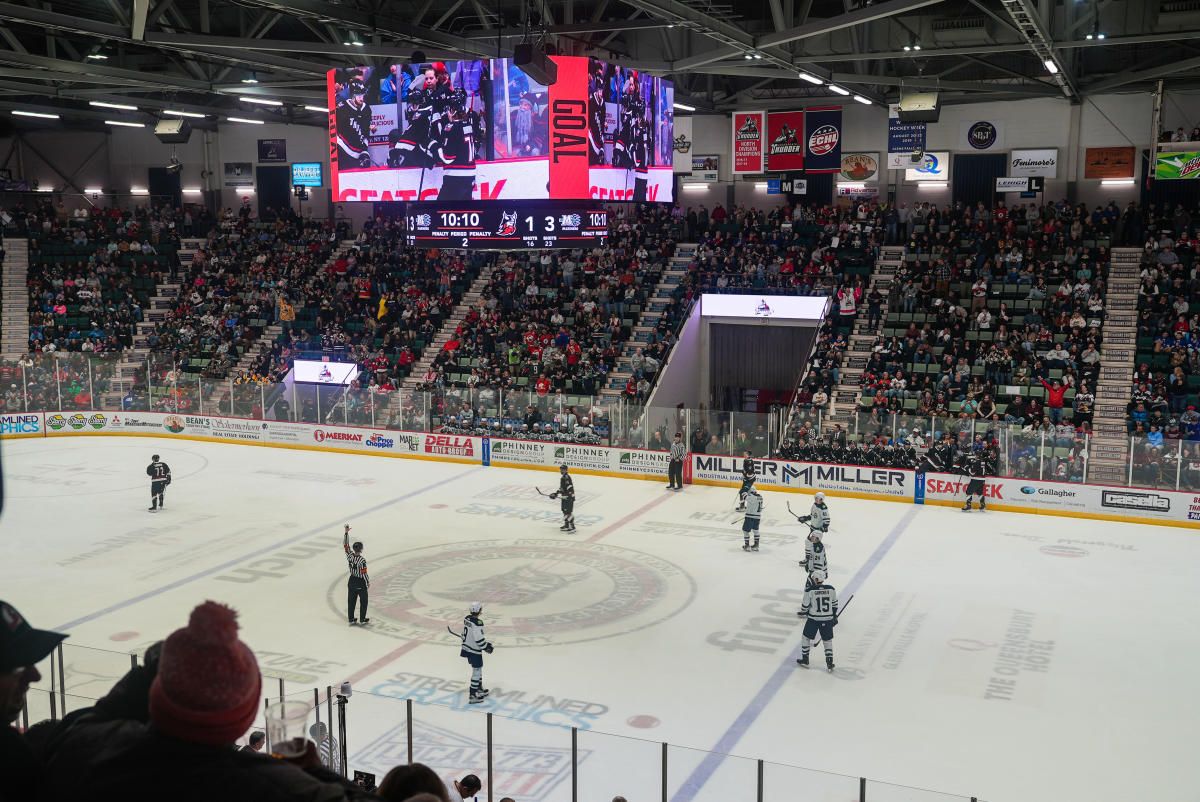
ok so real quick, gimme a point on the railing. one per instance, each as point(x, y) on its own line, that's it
point(547, 753)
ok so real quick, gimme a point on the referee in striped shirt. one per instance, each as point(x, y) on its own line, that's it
point(359, 581)
point(675, 469)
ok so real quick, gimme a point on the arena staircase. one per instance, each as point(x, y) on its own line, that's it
point(677, 269)
point(844, 399)
point(1108, 460)
point(15, 320)
point(470, 299)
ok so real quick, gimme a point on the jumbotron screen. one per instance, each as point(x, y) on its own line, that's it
point(484, 130)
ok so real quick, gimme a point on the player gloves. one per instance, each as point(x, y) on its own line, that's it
point(489, 648)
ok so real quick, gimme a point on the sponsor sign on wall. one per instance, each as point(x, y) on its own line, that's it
point(1042, 162)
point(888, 482)
point(748, 135)
point(1012, 184)
point(785, 141)
point(272, 150)
point(859, 167)
point(1108, 163)
point(634, 462)
point(239, 174)
point(706, 169)
point(823, 139)
point(934, 166)
point(858, 190)
point(22, 424)
point(980, 135)
point(1175, 166)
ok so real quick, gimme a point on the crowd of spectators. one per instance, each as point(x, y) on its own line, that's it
point(172, 726)
point(1163, 408)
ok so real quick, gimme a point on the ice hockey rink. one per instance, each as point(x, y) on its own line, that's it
point(1003, 656)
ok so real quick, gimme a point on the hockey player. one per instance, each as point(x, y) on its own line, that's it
point(749, 474)
point(160, 476)
point(974, 468)
point(597, 112)
point(410, 147)
point(354, 127)
point(821, 611)
point(566, 490)
point(818, 517)
point(814, 554)
point(754, 507)
point(474, 644)
point(455, 151)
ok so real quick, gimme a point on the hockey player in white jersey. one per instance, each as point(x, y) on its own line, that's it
point(814, 554)
point(474, 644)
point(818, 517)
point(754, 508)
point(821, 611)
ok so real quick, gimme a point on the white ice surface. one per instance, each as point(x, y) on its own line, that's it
point(1005, 656)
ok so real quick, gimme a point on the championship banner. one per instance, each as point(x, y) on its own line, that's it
point(1175, 166)
point(823, 145)
point(785, 141)
point(748, 141)
point(569, 169)
point(1101, 163)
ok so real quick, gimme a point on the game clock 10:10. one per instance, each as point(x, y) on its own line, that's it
point(501, 226)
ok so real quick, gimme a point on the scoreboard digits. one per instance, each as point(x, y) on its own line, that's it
point(499, 226)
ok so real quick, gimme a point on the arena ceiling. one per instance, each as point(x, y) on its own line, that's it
point(199, 55)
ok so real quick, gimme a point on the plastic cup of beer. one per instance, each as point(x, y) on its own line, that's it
point(287, 728)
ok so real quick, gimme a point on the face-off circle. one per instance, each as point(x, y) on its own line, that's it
point(534, 592)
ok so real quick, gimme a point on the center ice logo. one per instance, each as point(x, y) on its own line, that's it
point(539, 592)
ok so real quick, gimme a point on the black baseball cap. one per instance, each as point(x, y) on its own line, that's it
point(21, 644)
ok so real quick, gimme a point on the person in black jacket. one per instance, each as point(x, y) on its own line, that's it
point(21, 648)
point(160, 476)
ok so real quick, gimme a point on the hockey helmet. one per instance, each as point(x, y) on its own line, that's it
point(563, 467)
point(819, 498)
point(476, 608)
point(817, 577)
point(814, 535)
point(356, 87)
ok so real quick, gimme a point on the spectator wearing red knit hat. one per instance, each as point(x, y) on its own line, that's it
point(167, 728)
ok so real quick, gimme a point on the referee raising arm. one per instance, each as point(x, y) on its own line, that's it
point(359, 581)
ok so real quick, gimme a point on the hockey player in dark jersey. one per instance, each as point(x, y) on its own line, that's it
point(410, 148)
point(631, 149)
point(749, 474)
point(974, 468)
point(354, 127)
point(160, 476)
point(566, 492)
point(455, 151)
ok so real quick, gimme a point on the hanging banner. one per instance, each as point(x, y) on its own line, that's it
point(1043, 162)
point(272, 150)
point(981, 135)
point(823, 145)
point(859, 167)
point(682, 147)
point(569, 162)
point(904, 139)
point(1108, 163)
point(748, 141)
point(785, 141)
point(1175, 166)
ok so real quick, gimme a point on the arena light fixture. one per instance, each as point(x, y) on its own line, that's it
point(862, 100)
point(693, 186)
point(93, 191)
point(838, 89)
point(747, 56)
point(244, 120)
point(684, 107)
point(262, 101)
point(97, 56)
point(812, 79)
point(250, 79)
point(1117, 182)
point(36, 114)
point(1051, 67)
point(122, 106)
point(138, 191)
point(124, 124)
point(191, 190)
point(317, 108)
point(931, 185)
point(177, 113)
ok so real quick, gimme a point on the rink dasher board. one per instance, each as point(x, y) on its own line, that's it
point(1099, 502)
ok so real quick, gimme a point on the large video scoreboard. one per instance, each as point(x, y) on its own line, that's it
point(490, 225)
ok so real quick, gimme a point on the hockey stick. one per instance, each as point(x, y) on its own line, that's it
point(540, 493)
point(845, 607)
point(459, 634)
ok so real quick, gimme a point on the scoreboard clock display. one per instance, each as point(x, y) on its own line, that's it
point(500, 226)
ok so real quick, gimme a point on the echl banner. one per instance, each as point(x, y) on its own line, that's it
point(823, 145)
point(748, 141)
point(785, 141)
